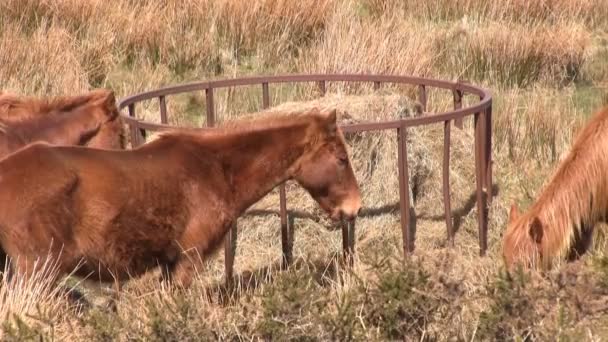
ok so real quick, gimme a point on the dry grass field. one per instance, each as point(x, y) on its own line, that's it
point(546, 63)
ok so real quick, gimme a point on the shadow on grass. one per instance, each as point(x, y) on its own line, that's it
point(457, 214)
point(323, 271)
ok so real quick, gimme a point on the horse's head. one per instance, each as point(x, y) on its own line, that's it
point(523, 241)
point(325, 171)
point(111, 131)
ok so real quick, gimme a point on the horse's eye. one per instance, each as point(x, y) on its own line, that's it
point(343, 160)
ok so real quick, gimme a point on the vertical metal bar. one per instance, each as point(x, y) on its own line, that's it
point(136, 138)
point(479, 177)
point(422, 96)
point(322, 88)
point(229, 252)
point(230, 239)
point(162, 103)
point(265, 96)
point(457, 105)
point(404, 200)
point(210, 107)
point(488, 154)
point(351, 240)
point(285, 228)
point(132, 127)
point(345, 249)
point(376, 85)
point(447, 207)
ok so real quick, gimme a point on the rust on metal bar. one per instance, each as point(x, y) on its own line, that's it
point(482, 220)
point(447, 206)
point(210, 108)
point(404, 200)
point(322, 88)
point(265, 96)
point(422, 96)
point(162, 103)
point(457, 105)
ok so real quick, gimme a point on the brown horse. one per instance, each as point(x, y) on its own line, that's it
point(91, 120)
point(560, 223)
point(168, 202)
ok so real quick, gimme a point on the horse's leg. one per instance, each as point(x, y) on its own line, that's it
point(188, 264)
point(4, 264)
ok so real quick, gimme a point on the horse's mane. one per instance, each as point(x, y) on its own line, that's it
point(253, 122)
point(577, 194)
point(15, 108)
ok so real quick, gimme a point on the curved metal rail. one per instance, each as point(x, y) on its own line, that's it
point(481, 111)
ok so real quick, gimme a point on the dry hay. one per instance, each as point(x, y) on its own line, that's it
point(374, 158)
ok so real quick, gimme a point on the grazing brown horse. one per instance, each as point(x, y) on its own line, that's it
point(560, 223)
point(91, 120)
point(167, 203)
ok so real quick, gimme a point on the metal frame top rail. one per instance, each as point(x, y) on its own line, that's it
point(484, 95)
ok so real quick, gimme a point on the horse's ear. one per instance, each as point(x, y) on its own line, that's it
point(108, 102)
point(514, 213)
point(536, 230)
point(331, 122)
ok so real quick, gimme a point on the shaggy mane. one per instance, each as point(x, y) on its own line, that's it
point(15, 108)
point(252, 123)
point(577, 194)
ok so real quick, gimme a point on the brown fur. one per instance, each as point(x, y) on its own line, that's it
point(169, 202)
point(561, 220)
point(91, 119)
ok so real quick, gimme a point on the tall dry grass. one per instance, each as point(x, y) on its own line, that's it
point(53, 68)
point(539, 124)
point(510, 54)
point(354, 45)
point(195, 37)
point(589, 12)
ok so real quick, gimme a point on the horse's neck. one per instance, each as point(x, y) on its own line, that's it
point(575, 196)
point(257, 161)
point(59, 128)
